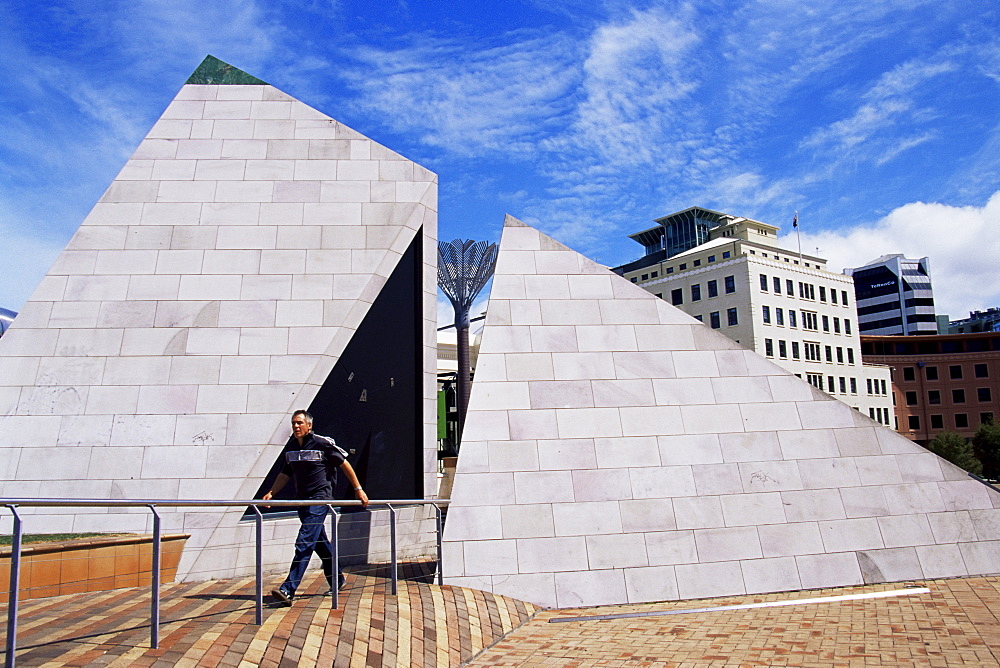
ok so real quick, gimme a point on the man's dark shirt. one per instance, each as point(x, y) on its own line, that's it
point(313, 465)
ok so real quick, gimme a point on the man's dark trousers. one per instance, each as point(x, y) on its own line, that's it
point(311, 538)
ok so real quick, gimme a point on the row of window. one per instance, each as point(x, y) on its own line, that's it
point(937, 421)
point(832, 384)
point(877, 386)
point(776, 257)
point(810, 320)
point(812, 351)
point(806, 290)
point(715, 319)
point(711, 288)
point(955, 372)
point(983, 394)
point(681, 267)
point(880, 415)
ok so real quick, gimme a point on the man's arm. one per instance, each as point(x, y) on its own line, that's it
point(353, 478)
point(279, 482)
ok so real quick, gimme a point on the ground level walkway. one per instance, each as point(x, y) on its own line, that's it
point(956, 622)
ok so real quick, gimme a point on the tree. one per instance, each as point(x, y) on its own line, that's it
point(986, 446)
point(957, 450)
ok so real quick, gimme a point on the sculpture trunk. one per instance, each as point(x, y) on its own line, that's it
point(464, 377)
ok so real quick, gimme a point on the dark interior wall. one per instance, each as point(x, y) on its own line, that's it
point(372, 401)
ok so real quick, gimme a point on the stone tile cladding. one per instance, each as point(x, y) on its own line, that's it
point(619, 451)
point(209, 292)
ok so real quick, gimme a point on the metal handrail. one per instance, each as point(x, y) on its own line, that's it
point(153, 504)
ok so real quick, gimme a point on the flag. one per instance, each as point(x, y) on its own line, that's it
point(795, 221)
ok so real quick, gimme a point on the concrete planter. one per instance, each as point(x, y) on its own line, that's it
point(90, 564)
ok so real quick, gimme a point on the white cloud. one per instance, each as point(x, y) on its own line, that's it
point(961, 242)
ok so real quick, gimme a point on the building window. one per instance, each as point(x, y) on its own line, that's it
point(697, 263)
point(871, 414)
point(931, 373)
point(731, 315)
point(812, 351)
point(815, 379)
point(911, 398)
point(725, 255)
point(843, 385)
point(682, 266)
point(766, 314)
point(730, 284)
point(826, 323)
point(833, 295)
point(908, 373)
point(986, 418)
point(869, 383)
point(670, 270)
point(711, 258)
point(840, 355)
point(789, 287)
point(714, 319)
point(791, 318)
point(937, 422)
point(822, 294)
point(782, 349)
point(961, 420)
point(984, 394)
point(914, 422)
point(659, 295)
point(884, 391)
point(795, 350)
point(763, 283)
point(933, 397)
point(654, 274)
point(836, 325)
point(696, 292)
point(955, 371)
point(645, 277)
point(982, 371)
point(843, 294)
point(635, 279)
point(777, 285)
point(713, 289)
point(700, 318)
point(850, 355)
point(779, 316)
point(677, 297)
point(809, 320)
point(830, 380)
point(854, 387)
point(829, 354)
point(769, 347)
point(958, 396)
point(847, 326)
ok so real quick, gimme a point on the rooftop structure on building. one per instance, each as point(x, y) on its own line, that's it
point(730, 272)
point(940, 382)
point(894, 296)
point(978, 321)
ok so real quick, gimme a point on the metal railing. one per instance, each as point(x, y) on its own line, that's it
point(153, 504)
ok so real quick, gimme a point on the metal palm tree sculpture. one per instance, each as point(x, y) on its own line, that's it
point(464, 267)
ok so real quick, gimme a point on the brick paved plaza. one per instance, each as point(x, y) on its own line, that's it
point(210, 624)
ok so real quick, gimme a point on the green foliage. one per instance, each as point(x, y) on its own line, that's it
point(949, 445)
point(986, 445)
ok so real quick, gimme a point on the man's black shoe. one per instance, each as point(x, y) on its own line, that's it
point(282, 596)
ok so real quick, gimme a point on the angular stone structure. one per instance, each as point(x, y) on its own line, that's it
point(214, 288)
point(617, 450)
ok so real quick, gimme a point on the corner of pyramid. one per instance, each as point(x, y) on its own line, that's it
point(213, 71)
point(511, 221)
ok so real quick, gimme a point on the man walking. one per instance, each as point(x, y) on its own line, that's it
point(312, 461)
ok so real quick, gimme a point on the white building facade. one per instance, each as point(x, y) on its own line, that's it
point(780, 304)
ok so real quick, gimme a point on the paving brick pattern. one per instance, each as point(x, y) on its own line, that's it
point(956, 624)
point(210, 624)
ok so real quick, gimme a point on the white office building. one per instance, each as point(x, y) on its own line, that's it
point(730, 273)
point(894, 296)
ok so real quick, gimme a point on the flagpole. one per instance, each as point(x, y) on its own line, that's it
point(798, 234)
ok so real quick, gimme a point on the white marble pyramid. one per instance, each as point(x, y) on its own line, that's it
point(209, 293)
point(619, 451)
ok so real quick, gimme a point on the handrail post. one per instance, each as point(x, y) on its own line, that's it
point(154, 604)
point(259, 567)
point(437, 518)
point(335, 541)
point(392, 542)
point(15, 584)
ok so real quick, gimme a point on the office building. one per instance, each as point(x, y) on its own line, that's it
point(730, 273)
point(940, 383)
point(894, 296)
point(978, 321)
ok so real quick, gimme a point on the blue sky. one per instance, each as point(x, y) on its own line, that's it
point(876, 120)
